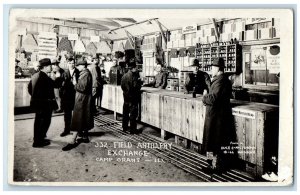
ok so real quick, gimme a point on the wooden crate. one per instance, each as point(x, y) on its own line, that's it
point(183, 117)
point(257, 131)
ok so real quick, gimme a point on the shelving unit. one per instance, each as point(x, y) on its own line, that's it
point(231, 54)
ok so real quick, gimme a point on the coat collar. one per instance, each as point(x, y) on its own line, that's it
point(219, 77)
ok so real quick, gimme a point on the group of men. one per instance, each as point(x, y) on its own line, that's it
point(80, 86)
point(77, 88)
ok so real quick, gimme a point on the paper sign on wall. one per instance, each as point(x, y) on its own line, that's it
point(273, 59)
point(258, 59)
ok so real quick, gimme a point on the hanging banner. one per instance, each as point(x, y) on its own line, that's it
point(273, 59)
point(95, 39)
point(189, 29)
point(73, 37)
point(258, 59)
point(79, 46)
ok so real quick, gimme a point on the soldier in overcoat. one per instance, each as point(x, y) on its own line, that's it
point(218, 126)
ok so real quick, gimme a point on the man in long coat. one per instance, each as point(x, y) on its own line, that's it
point(82, 120)
point(218, 126)
point(97, 81)
point(41, 89)
point(67, 94)
point(131, 86)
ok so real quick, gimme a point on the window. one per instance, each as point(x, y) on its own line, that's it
point(261, 66)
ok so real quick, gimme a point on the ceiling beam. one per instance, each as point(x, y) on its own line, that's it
point(98, 21)
point(131, 20)
point(66, 23)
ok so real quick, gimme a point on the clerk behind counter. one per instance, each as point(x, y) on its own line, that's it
point(160, 80)
point(198, 81)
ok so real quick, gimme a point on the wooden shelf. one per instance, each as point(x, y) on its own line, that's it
point(230, 53)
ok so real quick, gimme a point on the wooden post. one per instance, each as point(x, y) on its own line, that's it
point(115, 103)
point(217, 34)
point(163, 134)
point(164, 38)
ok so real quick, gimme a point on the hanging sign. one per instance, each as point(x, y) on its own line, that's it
point(257, 20)
point(47, 42)
point(73, 37)
point(95, 39)
point(189, 29)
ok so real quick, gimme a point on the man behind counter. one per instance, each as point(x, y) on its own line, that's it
point(198, 81)
point(160, 80)
point(18, 69)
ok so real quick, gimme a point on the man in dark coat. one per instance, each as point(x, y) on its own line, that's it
point(131, 86)
point(18, 69)
point(116, 73)
point(198, 80)
point(218, 130)
point(67, 94)
point(83, 120)
point(97, 81)
point(41, 89)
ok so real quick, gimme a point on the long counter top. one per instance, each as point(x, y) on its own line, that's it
point(182, 115)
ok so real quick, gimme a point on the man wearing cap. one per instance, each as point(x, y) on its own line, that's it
point(41, 89)
point(97, 81)
point(57, 76)
point(218, 125)
point(18, 69)
point(82, 120)
point(198, 81)
point(67, 93)
point(131, 86)
point(160, 80)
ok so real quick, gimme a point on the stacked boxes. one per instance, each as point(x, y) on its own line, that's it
point(182, 79)
point(265, 33)
point(172, 84)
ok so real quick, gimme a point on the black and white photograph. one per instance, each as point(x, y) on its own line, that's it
point(154, 97)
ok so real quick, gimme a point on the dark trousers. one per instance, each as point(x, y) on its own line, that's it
point(68, 119)
point(130, 112)
point(41, 124)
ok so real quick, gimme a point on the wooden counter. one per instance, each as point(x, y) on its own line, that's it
point(22, 97)
point(180, 114)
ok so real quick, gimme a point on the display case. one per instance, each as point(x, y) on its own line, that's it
point(231, 53)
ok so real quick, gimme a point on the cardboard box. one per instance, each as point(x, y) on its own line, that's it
point(251, 35)
point(265, 33)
